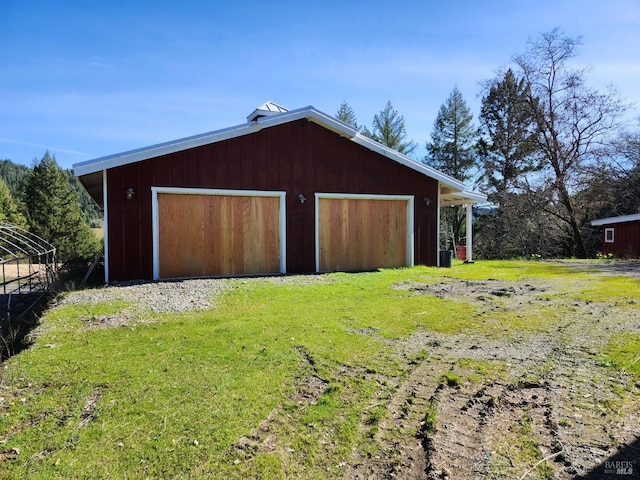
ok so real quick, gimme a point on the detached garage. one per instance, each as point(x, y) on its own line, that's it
point(287, 192)
point(620, 235)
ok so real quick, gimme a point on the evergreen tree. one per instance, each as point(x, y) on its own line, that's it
point(90, 210)
point(389, 130)
point(452, 151)
point(54, 213)
point(347, 115)
point(15, 176)
point(9, 208)
point(508, 129)
point(507, 150)
point(453, 138)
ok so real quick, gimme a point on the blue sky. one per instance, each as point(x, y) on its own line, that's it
point(85, 79)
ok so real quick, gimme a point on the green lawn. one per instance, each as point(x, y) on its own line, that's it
point(191, 395)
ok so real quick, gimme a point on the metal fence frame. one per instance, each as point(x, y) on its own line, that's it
point(33, 270)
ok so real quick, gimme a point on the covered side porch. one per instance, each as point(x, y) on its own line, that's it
point(449, 197)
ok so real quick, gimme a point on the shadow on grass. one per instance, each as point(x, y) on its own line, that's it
point(15, 330)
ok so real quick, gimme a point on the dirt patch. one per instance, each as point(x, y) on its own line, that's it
point(540, 405)
point(479, 290)
point(630, 268)
point(89, 412)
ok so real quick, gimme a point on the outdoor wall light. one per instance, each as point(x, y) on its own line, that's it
point(302, 198)
point(129, 193)
point(427, 201)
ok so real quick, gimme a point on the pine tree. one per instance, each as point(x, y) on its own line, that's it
point(508, 152)
point(508, 128)
point(389, 130)
point(452, 151)
point(9, 208)
point(347, 115)
point(54, 214)
point(90, 210)
point(453, 138)
point(15, 176)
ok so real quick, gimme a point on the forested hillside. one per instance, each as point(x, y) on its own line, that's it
point(50, 202)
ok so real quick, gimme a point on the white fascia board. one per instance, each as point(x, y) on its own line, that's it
point(333, 124)
point(408, 162)
point(132, 156)
point(309, 113)
point(475, 197)
point(461, 198)
point(621, 219)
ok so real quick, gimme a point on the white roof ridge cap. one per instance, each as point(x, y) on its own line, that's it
point(311, 113)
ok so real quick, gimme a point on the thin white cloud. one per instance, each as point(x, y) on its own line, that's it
point(50, 148)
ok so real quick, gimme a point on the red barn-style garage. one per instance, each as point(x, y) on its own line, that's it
point(287, 192)
point(620, 235)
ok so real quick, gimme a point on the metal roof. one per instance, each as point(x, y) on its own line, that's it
point(90, 172)
point(620, 219)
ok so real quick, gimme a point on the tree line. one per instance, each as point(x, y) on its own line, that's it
point(550, 152)
point(51, 203)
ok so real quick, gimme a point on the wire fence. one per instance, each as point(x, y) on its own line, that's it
point(29, 270)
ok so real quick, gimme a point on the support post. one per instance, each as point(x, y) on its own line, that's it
point(469, 258)
point(438, 208)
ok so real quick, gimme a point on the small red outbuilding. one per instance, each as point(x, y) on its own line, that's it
point(620, 235)
point(287, 192)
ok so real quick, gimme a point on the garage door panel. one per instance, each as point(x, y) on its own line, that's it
point(260, 243)
point(361, 233)
point(180, 254)
point(218, 235)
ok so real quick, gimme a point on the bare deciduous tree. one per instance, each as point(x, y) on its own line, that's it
point(573, 121)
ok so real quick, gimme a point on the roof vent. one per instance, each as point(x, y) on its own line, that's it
point(265, 110)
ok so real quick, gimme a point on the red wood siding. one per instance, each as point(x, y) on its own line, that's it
point(298, 157)
point(626, 240)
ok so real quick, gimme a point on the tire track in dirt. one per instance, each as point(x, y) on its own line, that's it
point(555, 412)
point(401, 449)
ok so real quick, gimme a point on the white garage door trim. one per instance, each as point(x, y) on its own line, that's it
point(355, 196)
point(206, 191)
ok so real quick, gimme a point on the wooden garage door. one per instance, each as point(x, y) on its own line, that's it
point(217, 235)
point(361, 234)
